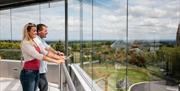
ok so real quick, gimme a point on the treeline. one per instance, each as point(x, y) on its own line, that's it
point(11, 49)
point(9, 45)
point(171, 56)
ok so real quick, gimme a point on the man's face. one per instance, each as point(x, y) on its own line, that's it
point(43, 32)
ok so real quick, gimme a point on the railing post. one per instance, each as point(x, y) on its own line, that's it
point(67, 81)
point(66, 28)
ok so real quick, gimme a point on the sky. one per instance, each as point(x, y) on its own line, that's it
point(147, 20)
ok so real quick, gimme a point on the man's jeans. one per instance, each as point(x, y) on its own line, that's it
point(43, 83)
point(29, 80)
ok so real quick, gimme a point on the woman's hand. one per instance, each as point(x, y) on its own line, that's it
point(60, 61)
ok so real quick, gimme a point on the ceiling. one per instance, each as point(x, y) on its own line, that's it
point(7, 4)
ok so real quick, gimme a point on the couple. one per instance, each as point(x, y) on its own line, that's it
point(36, 53)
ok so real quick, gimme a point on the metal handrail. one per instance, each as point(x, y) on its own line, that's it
point(68, 79)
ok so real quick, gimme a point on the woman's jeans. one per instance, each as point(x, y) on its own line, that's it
point(29, 79)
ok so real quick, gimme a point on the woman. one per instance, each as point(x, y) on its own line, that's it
point(32, 55)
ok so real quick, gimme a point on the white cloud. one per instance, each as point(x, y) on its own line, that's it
point(110, 18)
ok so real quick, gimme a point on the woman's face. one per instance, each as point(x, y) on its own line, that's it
point(32, 33)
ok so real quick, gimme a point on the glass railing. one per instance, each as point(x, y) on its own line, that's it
point(126, 44)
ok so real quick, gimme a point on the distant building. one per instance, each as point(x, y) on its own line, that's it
point(118, 45)
point(178, 36)
point(154, 46)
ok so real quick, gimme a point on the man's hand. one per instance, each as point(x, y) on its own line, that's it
point(59, 53)
point(61, 59)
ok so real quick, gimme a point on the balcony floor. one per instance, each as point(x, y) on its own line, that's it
point(10, 84)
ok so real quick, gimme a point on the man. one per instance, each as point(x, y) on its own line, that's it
point(42, 32)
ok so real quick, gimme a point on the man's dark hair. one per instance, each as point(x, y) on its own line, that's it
point(40, 26)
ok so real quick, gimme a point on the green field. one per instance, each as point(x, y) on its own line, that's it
point(108, 73)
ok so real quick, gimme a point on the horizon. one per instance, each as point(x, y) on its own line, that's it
point(99, 40)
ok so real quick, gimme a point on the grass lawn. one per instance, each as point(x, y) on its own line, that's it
point(14, 54)
point(111, 75)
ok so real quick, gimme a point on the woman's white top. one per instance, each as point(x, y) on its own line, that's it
point(29, 52)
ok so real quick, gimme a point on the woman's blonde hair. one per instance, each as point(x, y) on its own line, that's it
point(26, 29)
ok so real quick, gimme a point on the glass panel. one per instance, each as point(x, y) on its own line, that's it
point(98, 43)
point(12, 23)
point(22, 16)
point(53, 16)
point(109, 44)
point(5, 28)
point(74, 30)
point(102, 46)
point(153, 53)
point(11, 28)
